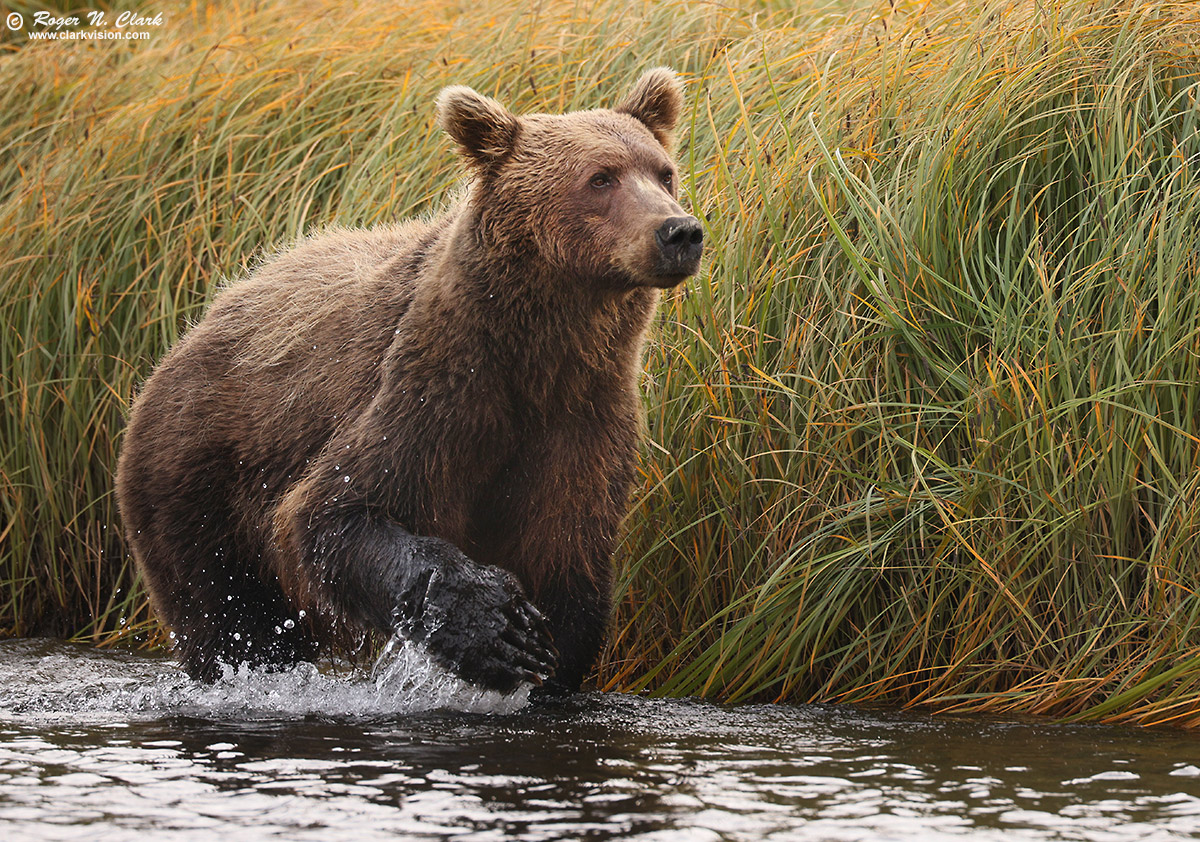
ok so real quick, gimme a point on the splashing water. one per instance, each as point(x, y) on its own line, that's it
point(101, 744)
point(52, 681)
point(404, 671)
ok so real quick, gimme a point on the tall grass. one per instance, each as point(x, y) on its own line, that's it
point(924, 431)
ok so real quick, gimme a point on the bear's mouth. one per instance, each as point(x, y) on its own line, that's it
point(672, 279)
point(673, 272)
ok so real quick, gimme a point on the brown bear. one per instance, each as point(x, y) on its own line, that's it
point(430, 427)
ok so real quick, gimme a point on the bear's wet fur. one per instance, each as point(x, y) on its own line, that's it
point(428, 427)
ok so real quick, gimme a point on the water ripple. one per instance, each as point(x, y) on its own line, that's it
point(113, 745)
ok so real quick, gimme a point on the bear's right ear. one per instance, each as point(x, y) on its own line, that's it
point(484, 129)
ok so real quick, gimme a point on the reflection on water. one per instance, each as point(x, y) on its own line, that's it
point(101, 745)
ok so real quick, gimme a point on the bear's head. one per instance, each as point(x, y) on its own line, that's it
point(591, 194)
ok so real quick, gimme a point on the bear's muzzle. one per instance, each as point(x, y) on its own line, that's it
point(680, 243)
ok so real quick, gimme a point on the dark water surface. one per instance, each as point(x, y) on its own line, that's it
point(116, 746)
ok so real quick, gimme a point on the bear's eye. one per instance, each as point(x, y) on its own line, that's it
point(601, 179)
point(668, 179)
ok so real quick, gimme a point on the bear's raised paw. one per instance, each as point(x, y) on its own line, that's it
point(475, 621)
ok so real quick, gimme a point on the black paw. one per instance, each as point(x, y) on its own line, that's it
point(476, 621)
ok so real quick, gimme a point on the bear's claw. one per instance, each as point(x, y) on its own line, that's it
point(476, 621)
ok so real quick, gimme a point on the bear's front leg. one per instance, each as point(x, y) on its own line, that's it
point(473, 619)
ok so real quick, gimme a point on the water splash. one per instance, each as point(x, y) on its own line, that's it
point(405, 671)
point(403, 680)
point(51, 680)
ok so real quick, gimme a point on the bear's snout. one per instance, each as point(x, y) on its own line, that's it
point(680, 243)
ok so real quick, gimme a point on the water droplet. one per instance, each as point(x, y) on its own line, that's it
point(346, 478)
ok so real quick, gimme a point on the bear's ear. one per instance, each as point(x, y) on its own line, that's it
point(484, 129)
point(656, 100)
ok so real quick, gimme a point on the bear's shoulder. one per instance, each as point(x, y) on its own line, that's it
point(332, 257)
point(331, 284)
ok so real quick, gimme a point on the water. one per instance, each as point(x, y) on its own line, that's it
point(112, 746)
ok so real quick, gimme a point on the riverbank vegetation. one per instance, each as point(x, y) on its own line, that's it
point(924, 430)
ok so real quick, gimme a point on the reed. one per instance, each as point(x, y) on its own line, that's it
point(921, 434)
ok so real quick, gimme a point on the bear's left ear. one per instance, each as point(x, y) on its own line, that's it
point(484, 129)
point(656, 100)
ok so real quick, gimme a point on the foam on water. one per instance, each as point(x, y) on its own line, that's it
point(50, 681)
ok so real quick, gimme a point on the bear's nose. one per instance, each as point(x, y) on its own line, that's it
point(680, 241)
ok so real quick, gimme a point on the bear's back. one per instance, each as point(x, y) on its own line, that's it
point(325, 288)
point(286, 354)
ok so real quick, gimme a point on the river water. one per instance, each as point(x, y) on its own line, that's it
point(109, 745)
